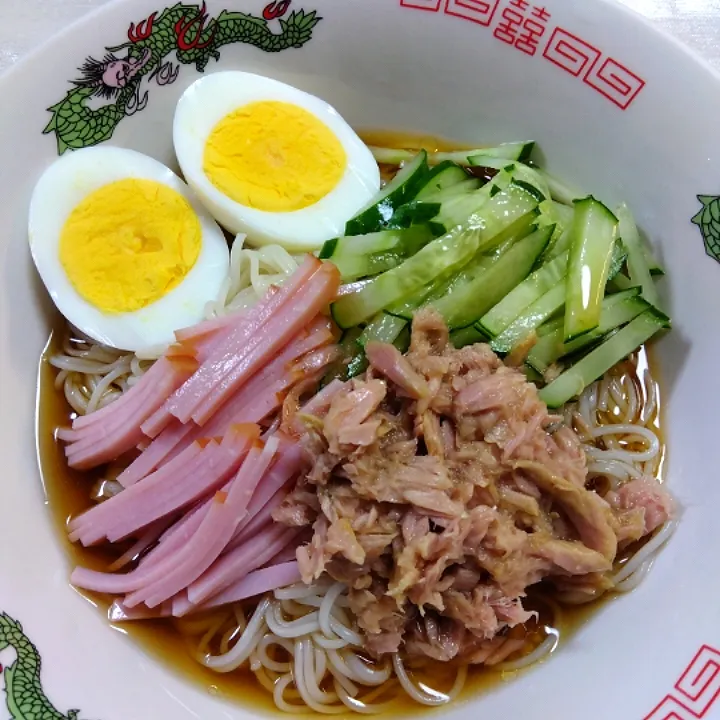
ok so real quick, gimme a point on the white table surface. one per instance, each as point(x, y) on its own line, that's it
point(24, 24)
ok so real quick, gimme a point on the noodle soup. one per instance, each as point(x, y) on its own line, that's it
point(304, 640)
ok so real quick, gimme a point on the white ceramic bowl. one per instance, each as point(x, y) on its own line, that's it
point(618, 109)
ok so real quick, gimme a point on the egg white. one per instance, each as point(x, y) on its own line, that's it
point(67, 182)
point(209, 100)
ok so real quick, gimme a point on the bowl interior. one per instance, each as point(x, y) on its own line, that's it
point(626, 121)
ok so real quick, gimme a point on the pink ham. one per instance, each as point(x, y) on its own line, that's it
point(160, 450)
point(260, 522)
point(146, 540)
point(180, 533)
point(175, 486)
point(251, 404)
point(93, 522)
point(238, 337)
point(153, 375)
point(101, 442)
point(254, 583)
point(214, 533)
point(243, 357)
point(236, 565)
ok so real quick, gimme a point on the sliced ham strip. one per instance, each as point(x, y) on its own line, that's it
point(180, 533)
point(254, 583)
point(146, 540)
point(176, 485)
point(108, 440)
point(249, 356)
point(262, 520)
point(217, 466)
point(93, 520)
point(215, 531)
point(160, 450)
point(237, 343)
point(154, 373)
point(236, 565)
point(251, 404)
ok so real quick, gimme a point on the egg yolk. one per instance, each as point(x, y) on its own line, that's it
point(129, 243)
point(273, 156)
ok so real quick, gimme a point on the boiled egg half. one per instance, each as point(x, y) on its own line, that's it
point(272, 161)
point(126, 251)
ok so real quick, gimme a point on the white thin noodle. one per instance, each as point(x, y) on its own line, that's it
point(93, 375)
point(310, 676)
point(616, 417)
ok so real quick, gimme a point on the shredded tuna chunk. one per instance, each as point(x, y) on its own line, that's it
point(442, 489)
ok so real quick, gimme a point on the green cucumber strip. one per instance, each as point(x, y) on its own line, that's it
point(349, 349)
point(493, 216)
point(402, 341)
point(527, 292)
point(457, 209)
point(400, 190)
point(520, 151)
point(383, 328)
point(361, 255)
point(523, 173)
point(560, 243)
point(353, 267)
point(597, 362)
point(467, 336)
point(328, 248)
point(437, 257)
point(472, 299)
point(559, 190)
point(637, 265)
point(441, 178)
point(531, 319)
point(617, 310)
point(462, 188)
point(618, 258)
point(358, 364)
point(620, 282)
point(413, 213)
point(405, 308)
point(591, 250)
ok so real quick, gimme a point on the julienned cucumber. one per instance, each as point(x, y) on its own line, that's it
point(591, 250)
point(449, 193)
point(465, 303)
point(467, 336)
point(617, 310)
point(509, 151)
point(361, 255)
point(398, 191)
point(384, 328)
point(450, 251)
point(530, 290)
point(520, 151)
point(637, 264)
point(441, 178)
point(491, 211)
point(530, 319)
point(618, 346)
